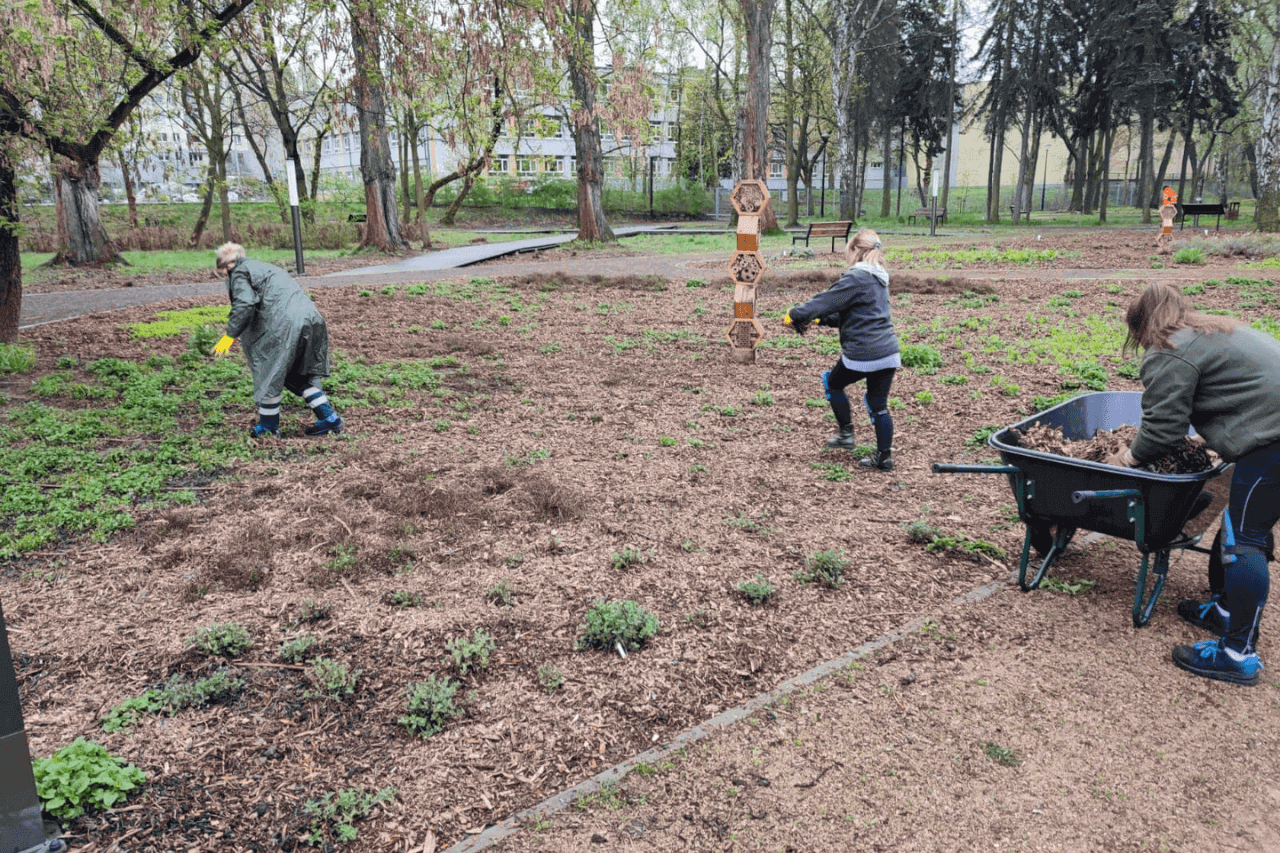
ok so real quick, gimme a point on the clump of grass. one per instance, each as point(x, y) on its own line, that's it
point(331, 679)
point(16, 359)
point(472, 652)
point(1189, 255)
point(1001, 755)
point(616, 623)
point(757, 590)
point(222, 639)
point(628, 556)
point(550, 678)
point(298, 649)
point(825, 568)
point(431, 706)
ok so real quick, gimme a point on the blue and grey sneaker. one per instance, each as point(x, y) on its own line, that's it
point(1208, 615)
point(1211, 659)
point(258, 431)
point(324, 426)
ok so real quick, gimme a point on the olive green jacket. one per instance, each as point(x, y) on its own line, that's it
point(1226, 385)
point(278, 327)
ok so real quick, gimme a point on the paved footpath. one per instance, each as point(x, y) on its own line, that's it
point(465, 262)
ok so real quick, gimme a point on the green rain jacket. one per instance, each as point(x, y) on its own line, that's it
point(277, 325)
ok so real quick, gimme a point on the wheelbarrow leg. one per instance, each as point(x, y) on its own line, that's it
point(1061, 537)
point(1142, 610)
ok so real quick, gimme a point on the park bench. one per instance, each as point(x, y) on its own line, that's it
point(834, 230)
point(1233, 211)
point(1197, 210)
point(358, 219)
point(927, 213)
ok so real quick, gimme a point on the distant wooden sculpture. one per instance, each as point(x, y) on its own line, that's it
point(1168, 210)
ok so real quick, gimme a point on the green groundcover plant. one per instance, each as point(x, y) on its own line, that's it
point(83, 776)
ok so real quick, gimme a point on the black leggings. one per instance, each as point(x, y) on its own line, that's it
point(876, 400)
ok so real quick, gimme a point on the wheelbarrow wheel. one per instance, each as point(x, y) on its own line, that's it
point(1042, 538)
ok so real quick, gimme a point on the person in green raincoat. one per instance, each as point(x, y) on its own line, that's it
point(285, 340)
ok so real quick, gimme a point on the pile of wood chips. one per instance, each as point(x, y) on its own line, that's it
point(1188, 457)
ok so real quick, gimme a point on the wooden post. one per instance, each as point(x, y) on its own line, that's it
point(747, 267)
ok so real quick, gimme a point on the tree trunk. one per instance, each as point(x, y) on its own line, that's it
point(382, 224)
point(593, 227)
point(81, 238)
point(451, 211)
point(206, 205)
point(128, 192)
point(755, 144)
point(886, 160)
point(1266, 149)
point(1147, 187)
point(1107, 136)
point(10, 259)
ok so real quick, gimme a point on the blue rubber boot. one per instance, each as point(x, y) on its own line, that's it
point(266, 425)
point(1212, 659)
point(1207, 615)
point(333, 423)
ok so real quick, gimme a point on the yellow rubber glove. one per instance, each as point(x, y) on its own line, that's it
point(786, 319)
point(223, 346)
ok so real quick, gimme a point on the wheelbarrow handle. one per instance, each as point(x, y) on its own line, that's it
point(1077, 497)
point(945, 468)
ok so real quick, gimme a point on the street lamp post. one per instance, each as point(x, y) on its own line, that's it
point(823, 202)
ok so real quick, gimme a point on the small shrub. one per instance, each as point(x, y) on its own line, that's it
point(132, 710)
point(921, 356)
point(501, 594)
point(471, 652)
point(550, 678)
point(331, 679)
point(981, 436)
point(404, 598)
point(311, 612)
point(219, 687)
point(431, 706)
point(335, 814)
point(924, 398)
point(82, 776)
point(202, 340)
point(1001, 755)
point(222, 639)
point(629, 556)
point(757, 590)
point(16, 359)
point(1193, 289)
point(614, 623)
point(921, 532)
point(824, 567)
point(1189, 255)
point(298, 649)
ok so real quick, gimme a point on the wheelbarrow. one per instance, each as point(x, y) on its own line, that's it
point(1058, 495)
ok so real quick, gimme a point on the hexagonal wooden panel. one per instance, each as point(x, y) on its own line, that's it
point(746, 267)
point(749, 197)
point(745, 333)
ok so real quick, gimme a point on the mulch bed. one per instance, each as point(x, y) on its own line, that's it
point(600, 416)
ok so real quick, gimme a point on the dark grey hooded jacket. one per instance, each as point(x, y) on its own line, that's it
point(859, 304)
point(277, 325)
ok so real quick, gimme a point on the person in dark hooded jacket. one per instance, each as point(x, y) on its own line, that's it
point(285, 340)
point(858, 304)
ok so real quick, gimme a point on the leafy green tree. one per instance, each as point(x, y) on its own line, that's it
point(73, 102)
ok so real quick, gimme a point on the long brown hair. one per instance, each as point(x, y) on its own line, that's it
point(1159, 311)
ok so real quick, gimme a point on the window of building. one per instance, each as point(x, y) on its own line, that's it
point(525, 166)
point(670, 131)
point(777, 169)
point(501, 165)
point(877, 165)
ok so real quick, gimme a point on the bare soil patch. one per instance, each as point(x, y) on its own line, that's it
point(585, 418)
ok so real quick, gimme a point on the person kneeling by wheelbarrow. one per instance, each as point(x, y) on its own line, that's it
point(1222, 377)
point(285, 340)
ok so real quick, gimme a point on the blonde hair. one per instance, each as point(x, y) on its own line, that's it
point(864, 246)
point(1159, 311)
point(227, 255)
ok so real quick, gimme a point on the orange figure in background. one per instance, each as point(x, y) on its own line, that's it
point(1170, 197)
point(1168, 210)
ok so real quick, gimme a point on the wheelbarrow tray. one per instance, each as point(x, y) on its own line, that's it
point(1058, 487)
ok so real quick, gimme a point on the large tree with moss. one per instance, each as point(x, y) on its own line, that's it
point(72, 72)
